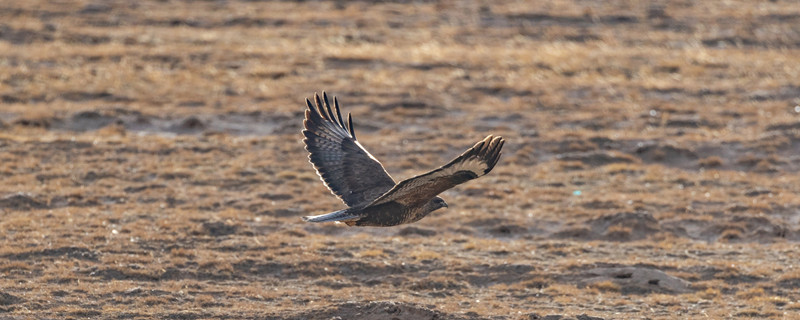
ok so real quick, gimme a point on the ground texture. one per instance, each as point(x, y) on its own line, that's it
point(152, 164)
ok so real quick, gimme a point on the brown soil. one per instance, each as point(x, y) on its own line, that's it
point(152, 164)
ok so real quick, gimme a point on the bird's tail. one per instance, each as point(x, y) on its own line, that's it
point(341, 215)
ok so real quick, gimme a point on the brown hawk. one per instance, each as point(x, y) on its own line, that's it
point(361, 182)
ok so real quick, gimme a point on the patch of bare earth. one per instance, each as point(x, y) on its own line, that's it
point(152, 165)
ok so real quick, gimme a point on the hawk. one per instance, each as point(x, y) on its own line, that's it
point(360, 181)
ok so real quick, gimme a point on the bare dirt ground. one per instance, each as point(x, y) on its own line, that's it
point(152, 164)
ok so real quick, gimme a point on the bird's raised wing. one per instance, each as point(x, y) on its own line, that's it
point(346, 168)
point(473, 163)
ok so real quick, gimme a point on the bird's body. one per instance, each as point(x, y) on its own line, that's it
point(382, 215)
point(360, 181)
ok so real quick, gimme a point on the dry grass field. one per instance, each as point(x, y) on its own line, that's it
point(152, 164)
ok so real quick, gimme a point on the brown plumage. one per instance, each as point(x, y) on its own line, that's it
point(361, 182)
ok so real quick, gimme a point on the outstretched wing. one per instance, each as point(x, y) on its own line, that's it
point(346, 168)
point(473, 163)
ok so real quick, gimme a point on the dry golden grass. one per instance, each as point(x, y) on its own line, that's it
point(152, 166)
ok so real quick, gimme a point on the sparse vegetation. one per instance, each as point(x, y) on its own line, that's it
point(152, 167)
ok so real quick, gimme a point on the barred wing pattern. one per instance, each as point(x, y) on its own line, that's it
point(346, 168)
point(473, 163)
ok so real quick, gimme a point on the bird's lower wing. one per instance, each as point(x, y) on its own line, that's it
point(473, 163)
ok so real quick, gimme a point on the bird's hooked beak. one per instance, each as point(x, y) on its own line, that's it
point(444, 204)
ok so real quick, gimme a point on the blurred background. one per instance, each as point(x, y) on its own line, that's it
point(152, 163)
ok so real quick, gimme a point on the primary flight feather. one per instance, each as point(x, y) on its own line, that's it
point(360, 181)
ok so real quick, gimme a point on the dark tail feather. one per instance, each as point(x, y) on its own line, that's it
point(341, 215)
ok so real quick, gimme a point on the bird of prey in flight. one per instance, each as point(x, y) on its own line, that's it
point(360, 181)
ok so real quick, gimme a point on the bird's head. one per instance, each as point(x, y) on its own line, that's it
point(438, 203)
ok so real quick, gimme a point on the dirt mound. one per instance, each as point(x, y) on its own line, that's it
point(375, 310)
point(623, 226)
point(633, 280)
point(21, 201)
